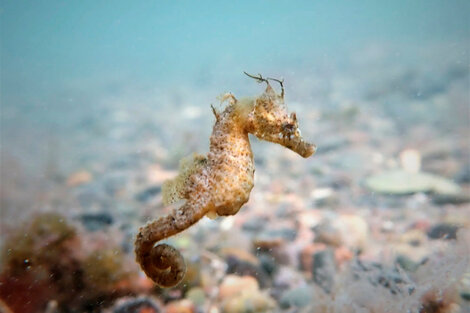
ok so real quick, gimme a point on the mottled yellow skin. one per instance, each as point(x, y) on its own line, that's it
point(219, 184)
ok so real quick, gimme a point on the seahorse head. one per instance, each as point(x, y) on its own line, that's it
point(271, 121)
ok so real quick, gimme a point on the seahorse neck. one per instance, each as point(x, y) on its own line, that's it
point(230, 135)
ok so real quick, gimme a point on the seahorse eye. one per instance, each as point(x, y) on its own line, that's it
point(288, 127)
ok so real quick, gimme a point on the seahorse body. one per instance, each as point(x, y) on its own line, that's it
point(219, 184)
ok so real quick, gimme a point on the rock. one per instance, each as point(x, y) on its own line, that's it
point(274, 238)
point(465, 296)
point(354, 230)
point(233, 285)
point(240, 254)
point(451, 199)
point(298, 297)
point(115, 184)
point(325, 197)
point(180, 306)
point(79, 178)
point(413, 237)
point(90, 195)
point(197, 296)
point(255, 224)
point(96, 221)
point(443, 231)
point(410, 160)
point(406, 263)
point(287, 278)
point(400, 182)
point(327, 234)
point(136, 305)
point(324, 269)
point(463, 176)
point(242, 295)
point(241, 267)
point(255, 302)
point(343, 255)
point(306, 255)
point(148, 194)
point(268, 263)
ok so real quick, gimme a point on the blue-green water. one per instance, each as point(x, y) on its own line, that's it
point(46, 44)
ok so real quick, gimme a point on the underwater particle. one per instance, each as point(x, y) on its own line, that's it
point(220, 183)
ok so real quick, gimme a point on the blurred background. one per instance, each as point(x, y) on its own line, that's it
point(100, 101)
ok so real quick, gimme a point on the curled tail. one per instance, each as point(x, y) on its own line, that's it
point(163, 263)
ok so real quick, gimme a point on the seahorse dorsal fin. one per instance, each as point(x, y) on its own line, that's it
point(174, 189)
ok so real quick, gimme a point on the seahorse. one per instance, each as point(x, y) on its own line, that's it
point(220, 183)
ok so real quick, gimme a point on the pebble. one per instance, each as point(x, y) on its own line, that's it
point(233, 285)
point(249, 302)
point(413, 237)
point(79, 178)
point(324, 269)
point(400, 182)
point(241, 294)
point(115, 184)
point(96, 221)
point(136, 305)
point(240, 254)
point(241, 267)
point(90, 196)
point(268, 263)
point(354, 230)
point(148, 194)
point(255, 224)
point(463, 176)
point(325, 197)
point(274, 238)
point(197, 296)
point(180, 306)
point(298, 297)
point(406, 263)
point(443, 231)
point(451, 199)
point(327, 234)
